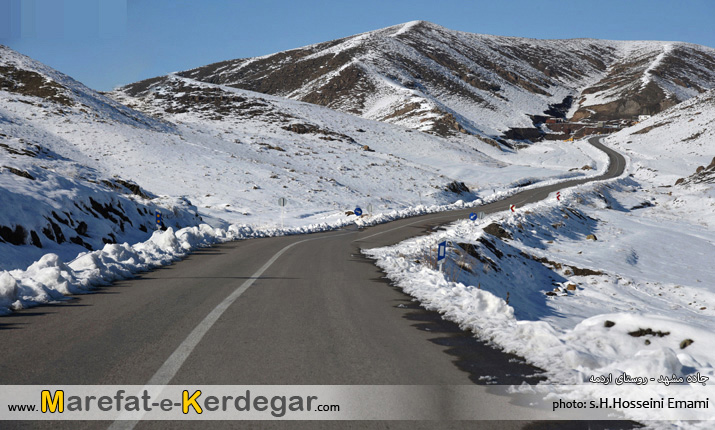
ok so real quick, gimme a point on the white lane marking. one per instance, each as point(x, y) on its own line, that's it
point(171, 366)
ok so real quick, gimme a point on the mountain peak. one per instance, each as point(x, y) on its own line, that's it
point(426, 77)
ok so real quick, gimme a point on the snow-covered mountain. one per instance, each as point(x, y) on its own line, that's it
point(81, 170)
point(614, 277)
point(430, 78)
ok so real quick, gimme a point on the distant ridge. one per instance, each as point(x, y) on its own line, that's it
point(426, 77)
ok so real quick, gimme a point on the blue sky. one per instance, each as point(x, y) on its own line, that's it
point(106, 43)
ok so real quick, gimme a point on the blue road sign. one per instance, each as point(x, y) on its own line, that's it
point(441, 250)
point(358, 211)
point(473, 216)
point(159, 222)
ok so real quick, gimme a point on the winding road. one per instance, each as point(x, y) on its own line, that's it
point(307, 310)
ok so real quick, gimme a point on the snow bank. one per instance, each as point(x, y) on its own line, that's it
point(624, 313)
point(49, 279)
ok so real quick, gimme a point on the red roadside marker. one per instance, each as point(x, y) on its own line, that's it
point(558, 195)
point(512, 208)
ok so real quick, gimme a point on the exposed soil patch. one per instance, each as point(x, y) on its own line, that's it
point(30, 83)
point(314, 129)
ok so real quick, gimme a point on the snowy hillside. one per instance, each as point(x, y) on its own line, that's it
point(220, 153)
point(616, 277)
point(430, 78)
point(687, 130)
point(53, 200)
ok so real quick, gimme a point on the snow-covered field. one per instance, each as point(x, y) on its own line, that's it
point(615, 278)
point(86, 171)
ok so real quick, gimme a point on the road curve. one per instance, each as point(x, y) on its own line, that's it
point(307, 310)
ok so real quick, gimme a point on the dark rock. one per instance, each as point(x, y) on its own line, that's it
point(491, 246)
point(577, 271)
point(35, 239)
point(134, 188)
point(18, 236)
point(78, 241)
point(648, 332)
point(19, 172)
point(686, 343)
point(457, 187)
point(473, 251)
point(59, 236)
point(81, 228)
point(496, 230)
point(531, 134)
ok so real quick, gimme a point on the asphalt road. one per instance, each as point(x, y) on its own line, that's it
point(307, 310)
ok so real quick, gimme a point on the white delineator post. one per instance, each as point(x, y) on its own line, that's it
point(282, 204)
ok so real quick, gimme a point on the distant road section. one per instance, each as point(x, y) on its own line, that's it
point(284, 310)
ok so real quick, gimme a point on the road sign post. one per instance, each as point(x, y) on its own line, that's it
point(282, 203)
point(369, 209)
point(481, 215)
point(441, 253)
